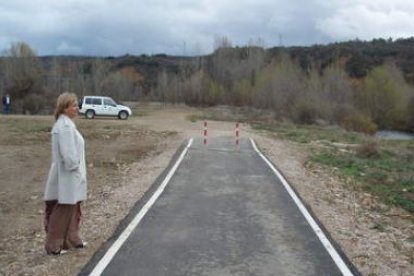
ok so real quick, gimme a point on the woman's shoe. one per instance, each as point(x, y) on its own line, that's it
point(82, 245)
point(60, 252)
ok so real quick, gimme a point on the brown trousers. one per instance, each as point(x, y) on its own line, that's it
point(62, 225)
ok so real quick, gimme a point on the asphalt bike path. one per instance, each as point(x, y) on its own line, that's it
point(222, 211)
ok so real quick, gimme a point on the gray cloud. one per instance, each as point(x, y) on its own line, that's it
point(367, 19)
point(117, 27)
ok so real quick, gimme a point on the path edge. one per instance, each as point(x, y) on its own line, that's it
point(350, 267)
point(133, 212)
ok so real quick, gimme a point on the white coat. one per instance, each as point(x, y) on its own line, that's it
point(66, 181)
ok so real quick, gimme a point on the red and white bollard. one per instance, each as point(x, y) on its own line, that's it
point(205, 132)
point(237, 134)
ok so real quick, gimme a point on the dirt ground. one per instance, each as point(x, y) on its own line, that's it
point(125, 157)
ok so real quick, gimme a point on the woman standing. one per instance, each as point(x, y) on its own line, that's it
point(66, 183)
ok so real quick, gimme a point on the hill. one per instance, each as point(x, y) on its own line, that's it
point(361, 85)
point(359, 57)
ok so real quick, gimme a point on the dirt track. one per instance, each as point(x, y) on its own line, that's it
point(124, 159)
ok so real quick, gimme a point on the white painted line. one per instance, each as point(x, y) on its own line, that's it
point(321, 235)
point(103, 263)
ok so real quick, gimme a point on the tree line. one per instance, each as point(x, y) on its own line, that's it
point(325, 89)
point(329, 84)
point(34, 82)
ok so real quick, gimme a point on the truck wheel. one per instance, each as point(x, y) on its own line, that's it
point(89, 114)
point(123, 115)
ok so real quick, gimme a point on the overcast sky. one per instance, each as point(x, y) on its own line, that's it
point(177, 27)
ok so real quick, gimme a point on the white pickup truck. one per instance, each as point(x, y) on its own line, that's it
point(92, 106)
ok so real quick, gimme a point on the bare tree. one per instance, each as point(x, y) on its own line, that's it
point(221, 42)
point(278, 86)
point(222, 64)
point(100, 70)
point(131, 77)
point(81, 80)
point(410, 114)
point(384, 96)
point(22, 77)
point(192, 88)
point(53, 81)
point(337, 93)
point(231, 67)
point(162, 87)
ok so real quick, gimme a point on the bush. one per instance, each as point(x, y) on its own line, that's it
point(360, 123)
point(33, 104)
point(383, 96)
point(342, 111)
point(304, 112)
point(369, 149)
point(410, 111)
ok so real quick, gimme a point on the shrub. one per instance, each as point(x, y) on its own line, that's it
point(360, 123)
point(304, 112)
point(410, 111)
point(383, 96)
point(342, 111)
point(368, 149)
point(33, 104)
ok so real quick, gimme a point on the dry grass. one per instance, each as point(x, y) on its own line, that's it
point(111, 146)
